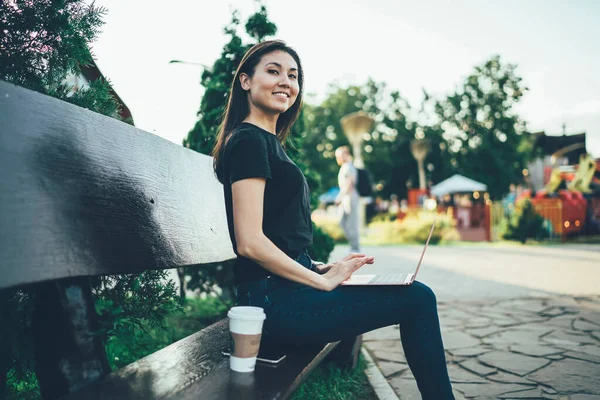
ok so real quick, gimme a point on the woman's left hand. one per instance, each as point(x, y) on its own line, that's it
point(320, 267)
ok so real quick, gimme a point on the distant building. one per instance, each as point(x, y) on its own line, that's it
point(555, 151)
point(91, 73)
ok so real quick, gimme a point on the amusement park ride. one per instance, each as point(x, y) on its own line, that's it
point(575, 190)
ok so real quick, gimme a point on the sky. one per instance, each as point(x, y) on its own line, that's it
point(409, 45)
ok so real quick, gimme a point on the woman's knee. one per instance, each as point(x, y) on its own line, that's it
point(424, 295)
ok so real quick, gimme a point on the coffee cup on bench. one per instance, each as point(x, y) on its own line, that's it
point(245, 326)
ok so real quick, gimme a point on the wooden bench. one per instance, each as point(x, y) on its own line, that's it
point(86, 195)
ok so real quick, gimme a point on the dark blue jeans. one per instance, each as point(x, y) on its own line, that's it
point(300, 314)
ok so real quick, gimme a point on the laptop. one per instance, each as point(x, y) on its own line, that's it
point(388, 279)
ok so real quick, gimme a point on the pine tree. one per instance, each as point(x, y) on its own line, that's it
point(42, 41)
point(216, 81)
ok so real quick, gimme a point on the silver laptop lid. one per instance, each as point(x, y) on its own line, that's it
point(425, 248)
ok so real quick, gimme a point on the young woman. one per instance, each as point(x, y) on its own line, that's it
point(268, 214)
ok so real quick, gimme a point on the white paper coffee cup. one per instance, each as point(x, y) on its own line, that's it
point(245, 327)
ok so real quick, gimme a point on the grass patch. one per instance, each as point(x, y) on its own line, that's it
point(330, 382)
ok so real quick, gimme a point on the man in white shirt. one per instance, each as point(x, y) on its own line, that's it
point(348, 199)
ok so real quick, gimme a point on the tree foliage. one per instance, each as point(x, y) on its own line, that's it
point(386, 150)
point(473, 131)
point(484, 133)
point(43, 41)
point(216, 80)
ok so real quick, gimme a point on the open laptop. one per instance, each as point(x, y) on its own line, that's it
point(389, 279)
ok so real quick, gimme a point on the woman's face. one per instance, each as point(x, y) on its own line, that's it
point(274, 86)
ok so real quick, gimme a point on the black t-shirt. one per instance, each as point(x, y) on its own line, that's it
point(253, 152)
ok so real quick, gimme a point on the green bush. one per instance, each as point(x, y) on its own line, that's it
point(322, 245)
point(131, 343)
point(413, 229)
point(330, 226)
point(384, 217)
point(524, 223)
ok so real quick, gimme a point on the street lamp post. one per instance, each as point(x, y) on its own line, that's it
point(355, 125)
point(419, 149)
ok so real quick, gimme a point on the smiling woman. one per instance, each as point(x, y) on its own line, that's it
point(274, 86)
point(268, 216)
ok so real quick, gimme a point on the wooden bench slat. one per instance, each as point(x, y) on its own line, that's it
point(194, 368)
point(84, 194)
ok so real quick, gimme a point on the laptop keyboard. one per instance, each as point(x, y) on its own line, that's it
point(384, 279)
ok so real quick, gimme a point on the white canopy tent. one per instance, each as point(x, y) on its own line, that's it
point(457, 184)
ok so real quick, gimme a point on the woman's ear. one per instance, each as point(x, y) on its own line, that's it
point(245, 81)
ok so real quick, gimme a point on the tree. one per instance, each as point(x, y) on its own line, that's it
point(483, 131)
point(386, 150)
point(216, 81)
point(41, 42)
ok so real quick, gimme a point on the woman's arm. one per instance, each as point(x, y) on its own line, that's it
point(248, 198)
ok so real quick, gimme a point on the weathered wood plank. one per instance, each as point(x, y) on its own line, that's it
point(84, 194)
point(193, 368)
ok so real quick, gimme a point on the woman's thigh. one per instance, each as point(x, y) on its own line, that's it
point(301, 314)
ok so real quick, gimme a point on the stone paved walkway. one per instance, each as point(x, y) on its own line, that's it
point(532, 348)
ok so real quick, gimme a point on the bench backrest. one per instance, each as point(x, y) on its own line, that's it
point(85, 195)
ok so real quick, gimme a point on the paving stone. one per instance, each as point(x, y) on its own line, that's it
point(387, 333)
point(394, 346)
point(507, 322)
point(531, 305)
point(505, 377)
point(583, 356)
point(523, 394)
point(515, 337)
point(553, 311)
point(458, 395)
point(565, 322)
point(514, 363)
point(488, 391)
point(569, 376)
point(389, 356)
point(460, 375)
point(582, 325)
point(391, 368)
point(476, 367)
point(483, 332)
point(585, 397)
point(590, 316)
point(458, 339)
point(405, 388)
point(532, 319)
point(534, 350)
point(478, 322)
point(455, 314)
point(565, 339)
point(548, 390)
point(469, 351)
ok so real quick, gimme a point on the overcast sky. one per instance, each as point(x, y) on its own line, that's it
point(409, 45)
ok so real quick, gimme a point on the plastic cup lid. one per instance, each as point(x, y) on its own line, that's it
point(247, 313)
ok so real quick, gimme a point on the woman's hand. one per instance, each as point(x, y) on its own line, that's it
point(320, 267)
point(339, 271)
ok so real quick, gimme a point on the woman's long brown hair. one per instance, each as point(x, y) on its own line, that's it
point(237, 105)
